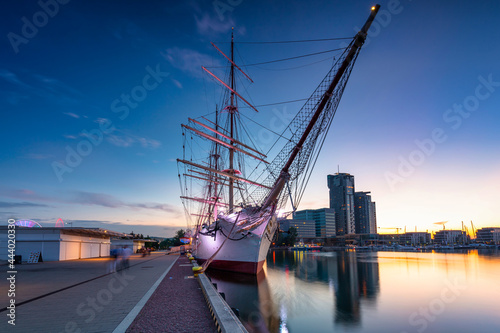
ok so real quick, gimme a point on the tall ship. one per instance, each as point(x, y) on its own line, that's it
point(233, 192)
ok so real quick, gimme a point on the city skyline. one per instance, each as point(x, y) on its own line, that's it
point(92, 112)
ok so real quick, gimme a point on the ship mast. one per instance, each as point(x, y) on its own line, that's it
point(232, 110)
point(284, 176)
point(216, 166)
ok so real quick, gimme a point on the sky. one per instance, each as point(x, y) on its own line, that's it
point(93, 93)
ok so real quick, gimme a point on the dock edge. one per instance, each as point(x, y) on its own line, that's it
point(224, 318)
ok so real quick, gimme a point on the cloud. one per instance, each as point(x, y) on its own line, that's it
point(4, 204)
point(149, 143)
point(25, 195)
point(67, 136)
point(79, 198)
point(210, 25)
point(56, 86)
point(71, 114)
point(177, 83)
point(12, 78)
point(187, 60)
point(106, 200)
point(102, 120)
point(120, 140)
point(98, 199)
point(44, 87)
point(138, 228)
point(126, 139)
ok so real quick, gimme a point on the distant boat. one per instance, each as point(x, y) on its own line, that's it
point(233, 193)
point(305, 247)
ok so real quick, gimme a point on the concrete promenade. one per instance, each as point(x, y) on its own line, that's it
point(178, 305)
point(91, 300)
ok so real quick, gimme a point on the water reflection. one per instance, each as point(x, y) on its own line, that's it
point(367, 292)
point(251, 296)
point(357, 280)
point(349, 279)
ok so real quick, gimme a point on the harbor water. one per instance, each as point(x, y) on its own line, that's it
point(349, 291)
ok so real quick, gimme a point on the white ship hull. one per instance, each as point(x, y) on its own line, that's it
point(245, 251)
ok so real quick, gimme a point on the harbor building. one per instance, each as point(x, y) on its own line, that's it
point(324, 219)
point(488, 235)
point(364, 213)
point(450, 237)
point(305, 228)
point(57, 244)
point(415, 238)
point(341, 187)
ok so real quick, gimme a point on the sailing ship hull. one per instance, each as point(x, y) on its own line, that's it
point(243, 252)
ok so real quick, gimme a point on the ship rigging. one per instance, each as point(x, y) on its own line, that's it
point(231, 190)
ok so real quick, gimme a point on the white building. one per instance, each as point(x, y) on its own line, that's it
point(56, 244)
point(450, 237)
point(488, 235)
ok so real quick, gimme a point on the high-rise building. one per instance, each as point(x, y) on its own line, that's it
point(364, 213)
point(373, 219)
point(341, 187)
point(324, 218)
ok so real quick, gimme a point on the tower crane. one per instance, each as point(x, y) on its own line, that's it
point(397, 229)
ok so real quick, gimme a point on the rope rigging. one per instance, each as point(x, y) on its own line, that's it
point(289, 41)
point(285, 59)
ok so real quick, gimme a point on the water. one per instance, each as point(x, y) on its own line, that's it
point(399, 292)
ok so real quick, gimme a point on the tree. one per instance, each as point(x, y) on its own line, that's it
point(292, 236)
point(178, 235)
point(287, 238)
point(165, 244)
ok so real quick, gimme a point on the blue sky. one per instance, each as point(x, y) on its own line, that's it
point(66, 74)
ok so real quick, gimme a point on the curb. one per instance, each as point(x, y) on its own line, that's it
point(224, 318)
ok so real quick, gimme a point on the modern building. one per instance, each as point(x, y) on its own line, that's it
point(488, 235)
point(305, 228)
point(323, 217)
point(341, 187)
point(450, 237)
point(364, 213)
point(373, 219)
point(415, 238)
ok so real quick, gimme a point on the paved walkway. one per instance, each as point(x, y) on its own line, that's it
point(98, 305)
point(177, 306)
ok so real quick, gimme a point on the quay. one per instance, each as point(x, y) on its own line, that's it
point(157, 293)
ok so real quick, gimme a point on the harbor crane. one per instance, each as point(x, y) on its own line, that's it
point(397, 229)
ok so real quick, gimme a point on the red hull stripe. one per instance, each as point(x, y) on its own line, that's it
point(236, 266)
